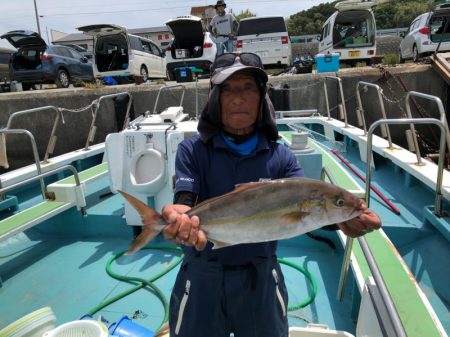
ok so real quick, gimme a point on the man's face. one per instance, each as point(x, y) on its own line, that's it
point(220, 9)
point(239, 103)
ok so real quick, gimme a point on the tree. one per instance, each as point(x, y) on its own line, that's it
point(244, 14)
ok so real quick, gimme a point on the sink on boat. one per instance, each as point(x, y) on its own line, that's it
point(64, 230)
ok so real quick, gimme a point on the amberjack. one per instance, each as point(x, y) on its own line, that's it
point(259, 211)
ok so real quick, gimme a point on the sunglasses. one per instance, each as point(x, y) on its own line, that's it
point(227, 59)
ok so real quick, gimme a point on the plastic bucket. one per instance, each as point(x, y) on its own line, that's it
point(34, 324)
point(85, 328)
point(125, 327)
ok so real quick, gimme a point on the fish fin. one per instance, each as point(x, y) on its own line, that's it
point(149, 217)
point(294, 216)
point(238, 188)
point(219, 244)
point(163, 331)
point(147, 235)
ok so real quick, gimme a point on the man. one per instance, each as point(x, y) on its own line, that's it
point(238, 289)
point(223, 26)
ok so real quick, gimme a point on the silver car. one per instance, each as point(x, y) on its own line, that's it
point(427, 32)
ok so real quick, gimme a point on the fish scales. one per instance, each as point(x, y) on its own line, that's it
point(263, 211)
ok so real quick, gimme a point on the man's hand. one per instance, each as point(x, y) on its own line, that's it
point(365, 223)
point(181, 228)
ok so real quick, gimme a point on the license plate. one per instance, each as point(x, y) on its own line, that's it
point(354, 53)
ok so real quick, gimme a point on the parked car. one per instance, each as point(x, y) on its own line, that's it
point(5, 56)
point(267, 37)
point(425, 33)
point(35, 62)
point(350, 31)
point(83, 51)
point(191, 46)
point(119, 53)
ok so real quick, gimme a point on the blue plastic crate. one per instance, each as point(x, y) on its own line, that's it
point(326, 63)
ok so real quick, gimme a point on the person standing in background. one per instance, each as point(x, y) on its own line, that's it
point(223, 26)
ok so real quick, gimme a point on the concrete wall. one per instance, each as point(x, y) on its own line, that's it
point(304, 91)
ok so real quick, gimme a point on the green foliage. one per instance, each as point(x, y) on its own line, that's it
point(244, 14)
point(392, 14)
point(391, 59)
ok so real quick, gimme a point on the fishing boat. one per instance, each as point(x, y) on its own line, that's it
point(64, 231)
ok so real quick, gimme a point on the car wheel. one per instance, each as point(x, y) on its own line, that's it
point(62, 79)
point(169, 76)
point(144, 74)
point(401, 60)
point(416, 55)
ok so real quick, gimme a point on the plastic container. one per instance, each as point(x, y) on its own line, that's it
point(183, 74)
point(125, 327)
point(85, 328)
point(326, 63)
point(34, 324)
point(317, 330)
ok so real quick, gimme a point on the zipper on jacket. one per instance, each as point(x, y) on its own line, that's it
point(280, 297)
point(182, 307)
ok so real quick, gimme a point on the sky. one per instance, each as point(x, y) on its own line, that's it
point(66, 15)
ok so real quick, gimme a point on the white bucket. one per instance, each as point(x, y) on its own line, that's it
point(85, 328)
point(34, 324)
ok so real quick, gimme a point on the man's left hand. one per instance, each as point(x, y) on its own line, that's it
point(365, 223)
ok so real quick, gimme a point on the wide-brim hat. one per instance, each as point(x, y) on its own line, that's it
point(220, 3)
point(221, 74)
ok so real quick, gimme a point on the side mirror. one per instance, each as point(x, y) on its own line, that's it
point(84, 59)
point(402, 34)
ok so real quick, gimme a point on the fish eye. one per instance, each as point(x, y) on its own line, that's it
point(340, 202)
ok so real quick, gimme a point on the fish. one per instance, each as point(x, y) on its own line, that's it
point(259, 212)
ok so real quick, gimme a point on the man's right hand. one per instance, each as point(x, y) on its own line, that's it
point(181, 228)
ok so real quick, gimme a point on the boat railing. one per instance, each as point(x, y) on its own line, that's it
point(35, 152)
point(41, 176)
point(412, 121)
point(341, 106)
point(166, 88)
point(366, 250)
point(52, 140)
point(360, 109)
point(442, 116)
point(394, 325)
point(95, 108)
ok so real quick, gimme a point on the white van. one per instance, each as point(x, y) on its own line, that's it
point(351, 31)
point(118, 53)
point(267, 37)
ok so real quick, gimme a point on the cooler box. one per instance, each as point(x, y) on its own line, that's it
point(183, 74)
point(181, 53)
point(326, 63)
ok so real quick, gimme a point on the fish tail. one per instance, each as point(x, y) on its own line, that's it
point(148, 234)
point(152, 220)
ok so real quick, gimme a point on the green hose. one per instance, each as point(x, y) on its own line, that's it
point(310, 279)
point(141, 283)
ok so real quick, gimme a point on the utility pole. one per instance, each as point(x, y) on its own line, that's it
point(37, 17)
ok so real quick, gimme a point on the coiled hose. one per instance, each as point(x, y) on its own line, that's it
point(142, 283)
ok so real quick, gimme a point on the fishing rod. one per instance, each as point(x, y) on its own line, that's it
point(390, 204)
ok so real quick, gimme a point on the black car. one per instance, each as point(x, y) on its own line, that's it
point(35, 62)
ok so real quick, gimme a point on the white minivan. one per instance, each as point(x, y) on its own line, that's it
point(267, 37)
point(118, 53)
point(351, 31)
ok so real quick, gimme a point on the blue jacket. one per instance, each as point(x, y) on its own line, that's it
point(210, 169)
